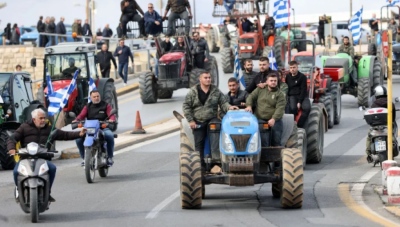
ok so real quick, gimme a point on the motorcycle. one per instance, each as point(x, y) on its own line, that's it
point(33, 184)
point(95, 146)
point(378, 134)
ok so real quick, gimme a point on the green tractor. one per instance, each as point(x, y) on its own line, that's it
point(16, 105)
point(367, 68)
point(294, 34)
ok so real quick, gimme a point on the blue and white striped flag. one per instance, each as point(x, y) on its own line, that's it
point(92, 87)
point(272, 61)
point(392, 2)
point(50, 89)
point(237, 68)
point(281, 13)
point(355, 26)
point(59, 98)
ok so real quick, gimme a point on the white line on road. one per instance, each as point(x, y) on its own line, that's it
point(154, 212)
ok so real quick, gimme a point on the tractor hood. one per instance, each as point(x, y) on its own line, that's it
point(59, 84)
point(249, 35)
point(172, 57)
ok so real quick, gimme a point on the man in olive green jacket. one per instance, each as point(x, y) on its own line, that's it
point(201, 106)
point(270, 102)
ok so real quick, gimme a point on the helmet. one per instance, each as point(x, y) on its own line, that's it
point(380, 91)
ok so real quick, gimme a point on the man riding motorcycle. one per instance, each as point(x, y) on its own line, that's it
point(38, 130)
point(97, 110)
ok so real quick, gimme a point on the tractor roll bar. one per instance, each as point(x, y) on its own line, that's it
point(308, 42)
point(387, 12)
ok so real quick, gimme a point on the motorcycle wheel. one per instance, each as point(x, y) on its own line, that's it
point(34, 209)
point(90, 162)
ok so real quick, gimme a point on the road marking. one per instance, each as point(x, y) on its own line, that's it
point(354, 201)
point(127, 100)
point(154, 212)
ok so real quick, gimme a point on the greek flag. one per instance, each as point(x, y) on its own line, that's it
point(50, 89)
point(92, 87)
point(281, 13)
point(237, 68)
point(272, 61)
point(392, 2)
point(355, 26)
point(59, 98)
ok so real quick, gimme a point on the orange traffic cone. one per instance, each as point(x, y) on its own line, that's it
point(138, 125)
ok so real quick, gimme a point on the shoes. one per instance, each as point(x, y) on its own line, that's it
point(110, 162)
point(83, 163)
point(51, 199)
point(16, 195)
point(124, 84)
point(370, 159)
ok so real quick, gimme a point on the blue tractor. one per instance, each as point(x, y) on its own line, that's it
point(233, 156)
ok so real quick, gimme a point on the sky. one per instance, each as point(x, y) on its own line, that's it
point(27, 12)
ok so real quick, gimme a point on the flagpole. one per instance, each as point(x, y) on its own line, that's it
point(52, 128)
point(288, 38)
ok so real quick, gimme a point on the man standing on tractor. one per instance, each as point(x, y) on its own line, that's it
point(260, 80)
point(199, 50)
point(268, 27)
point(246, 24)
point(130, 10)
point(248, 73)
point(321, 29)
point(297, 93)
point(104, 57)
point(270, 102)
point(178, 10)
point(201, 106)
point(347, 48)
point(38, 130)
point(97, 110)
point(374, 25)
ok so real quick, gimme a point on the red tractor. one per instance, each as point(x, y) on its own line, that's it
point(175, 71)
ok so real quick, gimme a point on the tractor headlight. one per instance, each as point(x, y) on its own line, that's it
point(227, 144)
point(32, 148)
point(44, 168)
point(91, 131)
point(22, 170)
point(254, 145)
point(242, 47)
point(249, 47)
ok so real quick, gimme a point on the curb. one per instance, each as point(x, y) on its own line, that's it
point(73, 153)
point(127, 89)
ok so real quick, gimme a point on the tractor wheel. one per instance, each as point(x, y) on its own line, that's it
point(364, 92)
point(372, 49)
point(292, 141)
point(337, 101)
point(165, 93)
point(266, 51)
point(292, 178)
point(376, 74)
point(191, 180)
point(7, 162)
point(110, 96)
point(279, 51)
point(328, 102)
point(315, 135)
point(212, 67)
point(194, 77)
point(148, 88)
point(302, 46)
point(227, 60)
point(302, 144)
point(211, 39)
point(276, 189)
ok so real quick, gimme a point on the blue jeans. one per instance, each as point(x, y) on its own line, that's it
point(156, 67)
point(228, 4)
point(152, 29)
point(123, 66)
point(108, 136)
point(276, 135)
point(52, 173)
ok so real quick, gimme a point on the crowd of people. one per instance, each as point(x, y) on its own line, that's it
point(11, 35)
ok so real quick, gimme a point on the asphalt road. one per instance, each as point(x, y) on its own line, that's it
point(142, 187)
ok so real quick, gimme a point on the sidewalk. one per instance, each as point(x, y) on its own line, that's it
point(377, 186)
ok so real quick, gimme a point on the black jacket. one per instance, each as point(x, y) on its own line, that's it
point(166, 46)
point(7, 32)
point(40, 26)
point(86, 30)
point(178, 47)
point(60, 29)
point(246, 25)
point(107, 32)
point(51, 27)
point(249, 77)
point(104, 58)
point(260, 77)
point(119, 32)
point(297, 86)
point(200, 47)
point(239, 98)
point(321, 26)
point(269, 24)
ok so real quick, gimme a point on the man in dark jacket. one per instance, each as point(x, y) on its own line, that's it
point(124, 53)
point(152, 21)
point(87, 31)
point(260, 80)
point(7, 33)
point(104, 57)
point(130, 10)
point(97, 110)
point(248, 72)
point(60, 29)
point(269, 26)
point(41, 28)
point(107, 33)
point(166, 45)
point(119, 31)
point(38, 130)
point(236, 96)
point(180, 45)
point(246, 24)
point(178, 10)
point(200, 51)
point(321, 29)
point(297, 93)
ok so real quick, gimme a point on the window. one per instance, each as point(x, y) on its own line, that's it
point(63, 66)
point(342, 26)
point(247, 40)
point(5, 87)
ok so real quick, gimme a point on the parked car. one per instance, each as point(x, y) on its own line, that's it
point(339, 30)
point(33, 36)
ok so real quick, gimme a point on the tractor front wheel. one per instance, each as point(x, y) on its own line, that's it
point(7, 161)
point(191, 180)
point(227, 59)
point(165, 93)
point(302, 144)
point(315, 135)
point(292, 178)
point(212, 66)
point(337, 101)
point(110, 96)
point(148, 88)
point(364, 92)
point(328, 102)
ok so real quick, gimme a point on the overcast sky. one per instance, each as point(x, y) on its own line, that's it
point(27, 12)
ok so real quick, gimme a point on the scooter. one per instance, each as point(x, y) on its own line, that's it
point(33, 181)
point(377, 119)
point(95, 146)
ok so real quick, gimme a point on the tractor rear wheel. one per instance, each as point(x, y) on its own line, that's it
point(337, 101)
point(302, 144)
point(376, 74)
point(266, 51)
point(212, 67)
point(194, 76)
point(372, 49)
point(364, 92)
point(7, 162)
point(328, 102)
point(211, 39)
point(292, 178)
point(227, 59)
point(110, 96)
point(302, 46)
point(165, 93)
point(315, 135)
point(148, 88)
point(279, 51)
point(191, 180)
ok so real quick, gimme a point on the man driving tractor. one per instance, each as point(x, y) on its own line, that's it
point(72, 68)
point(347, 48)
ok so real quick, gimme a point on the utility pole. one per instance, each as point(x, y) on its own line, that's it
point(194, 12)
point(351, 15)
point(87, 10)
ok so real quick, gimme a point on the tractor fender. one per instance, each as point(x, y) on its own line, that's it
point(185, 127)
point(325, 113)
point(366, 67)
point(11, 125)
point(102, 84)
